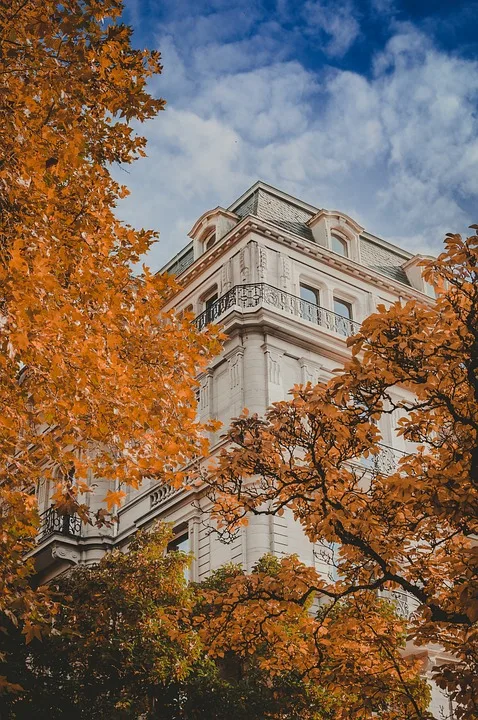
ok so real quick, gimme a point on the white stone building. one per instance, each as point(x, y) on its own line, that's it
point(289, 282)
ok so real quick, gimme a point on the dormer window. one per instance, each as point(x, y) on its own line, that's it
point(210, 240)
point(340, 246)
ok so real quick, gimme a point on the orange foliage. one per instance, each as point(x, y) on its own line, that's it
point(349, 651)
point(96, 379)
point(411, 527)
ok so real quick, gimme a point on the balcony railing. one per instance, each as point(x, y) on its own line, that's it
point(405, 604)
point(161, 494)
point(386, 462)
point(54, 523)
point(253, 295)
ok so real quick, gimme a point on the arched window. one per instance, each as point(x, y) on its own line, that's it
point(340, 246)
point(210, 240)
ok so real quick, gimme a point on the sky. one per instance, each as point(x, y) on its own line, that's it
point(365, 106)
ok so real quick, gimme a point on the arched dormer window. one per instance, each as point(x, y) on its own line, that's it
point(209, 240)
point(340, 246)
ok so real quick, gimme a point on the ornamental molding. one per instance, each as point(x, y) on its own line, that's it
point(269, 231)
point(65, 553)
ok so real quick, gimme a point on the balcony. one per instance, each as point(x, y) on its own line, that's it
point(253, 295)
point(51, 523)
point(404, 604)
point(386, 462)
point(161, 494)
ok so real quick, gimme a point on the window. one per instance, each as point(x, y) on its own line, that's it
point(309, 294)
point(179, 543)
point(343, 308)
point(211, 308)
point(333, 573)
point(339, 246)
point(210, 301)
point(309, 308)
point(343, 316)
point(210, 240)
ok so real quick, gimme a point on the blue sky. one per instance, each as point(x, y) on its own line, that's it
point(367, 106)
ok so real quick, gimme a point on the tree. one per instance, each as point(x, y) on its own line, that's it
point(322, 661)
point(132, 639)
point(123, 630)
point(413, 527)
point(96, 379)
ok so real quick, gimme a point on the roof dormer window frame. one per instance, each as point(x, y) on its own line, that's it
point(336, 237)
point(327, 224)
point(210, 228)
point(209, 238)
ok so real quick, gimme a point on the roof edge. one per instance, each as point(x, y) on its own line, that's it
point(261, 185)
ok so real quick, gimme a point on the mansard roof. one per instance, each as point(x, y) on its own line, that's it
point(291, 214)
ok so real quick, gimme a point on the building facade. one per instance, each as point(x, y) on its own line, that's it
point(289, 282)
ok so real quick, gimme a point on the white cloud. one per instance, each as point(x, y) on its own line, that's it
point(334, 24)
point(398, 151)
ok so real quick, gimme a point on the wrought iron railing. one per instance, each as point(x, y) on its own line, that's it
point(52, 522)
point(253, 295)
point(386, 462)
point(405, 604)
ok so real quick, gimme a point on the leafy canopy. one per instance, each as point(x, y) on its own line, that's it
point(411, 527)
point(97, 379)
point(132, 638)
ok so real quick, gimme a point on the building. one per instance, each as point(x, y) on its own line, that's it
point(289, 282)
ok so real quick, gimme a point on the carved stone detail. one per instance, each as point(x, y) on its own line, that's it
point(262, 262)
point(244, 264)
point(235, 363)
point(273, 359)
point(204, 393)
point(226, 276)
point(309, 372)
point(205, 390)
point(65, 553)
point(284, 271)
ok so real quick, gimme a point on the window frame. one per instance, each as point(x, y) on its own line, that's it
point(343, 242)
point(312, 289)
point(310, 311)
point(173, 544)
point(210, 240)
point(343, 323)
point(345, 303)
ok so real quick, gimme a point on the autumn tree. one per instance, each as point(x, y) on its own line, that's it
point(411, 527)
point(322, 660)
point(132, 639)
point(96, 379)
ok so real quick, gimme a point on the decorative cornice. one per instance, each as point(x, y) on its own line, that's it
point(270, 231)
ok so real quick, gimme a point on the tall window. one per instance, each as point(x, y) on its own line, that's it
point(210, 308)
point(333, 561)
point(340, 246)
point(181, 543)
point(343, 309)
point(309, 309)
